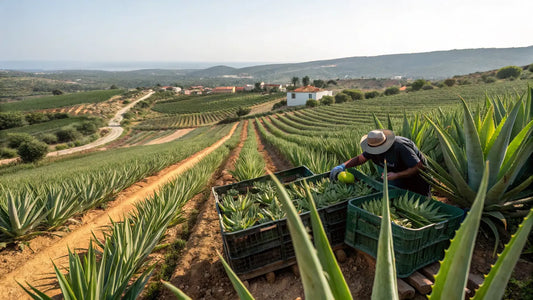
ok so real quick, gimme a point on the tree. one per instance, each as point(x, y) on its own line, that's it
point(418, 84)
point(449, 82)
point(10, 120)
point(32, 150)
point(327, 100)
point(57, 92)
point(15, 139)
point(67, 134)
point(333, 82)
point(393, 90)
point(530, 68)
point(36, 117)
point(257, 87)
point(342, 97)
point(509, 72)
point(372, 94)
point(113, 87)
point(295, 81)
point(305, 81)
point(319, 83)
point(243, 111)
point(354, 94)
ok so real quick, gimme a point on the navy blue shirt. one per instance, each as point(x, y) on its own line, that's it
point(402, 155)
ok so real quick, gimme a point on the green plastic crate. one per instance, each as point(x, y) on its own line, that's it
point(413, 248)
point(269, 246)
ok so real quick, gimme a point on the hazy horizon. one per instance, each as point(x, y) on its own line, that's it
point(272, 31)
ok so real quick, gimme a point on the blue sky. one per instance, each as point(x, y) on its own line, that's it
point(254, 31)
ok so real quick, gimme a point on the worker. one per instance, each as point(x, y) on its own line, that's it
point(404, 160)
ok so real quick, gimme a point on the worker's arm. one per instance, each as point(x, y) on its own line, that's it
point(358, 160)
point(405, 173)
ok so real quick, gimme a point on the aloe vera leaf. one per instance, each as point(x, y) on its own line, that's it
point(494, 285)
point(474, 153)
point(177, 292)
point(38, 294)
point(519, 188)
point(451, 161)
point(496, 153)
point(514, 147)
point(239, 287)
point(313, 279)
point(487, 129)
point(450, 281)
point(389, 122)
point(385, 284)
point(377, 122)
point(497, 190)
point(336, 280)
point(495, 232)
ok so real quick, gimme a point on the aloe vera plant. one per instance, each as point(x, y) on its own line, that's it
point(488, 136)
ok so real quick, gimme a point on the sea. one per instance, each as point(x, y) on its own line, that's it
point(37, 65)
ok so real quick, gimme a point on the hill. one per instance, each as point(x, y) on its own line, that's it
point(429, 65)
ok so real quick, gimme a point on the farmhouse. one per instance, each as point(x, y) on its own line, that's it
point(300, 95)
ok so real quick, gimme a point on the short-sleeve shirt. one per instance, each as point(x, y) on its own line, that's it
point(402, 155)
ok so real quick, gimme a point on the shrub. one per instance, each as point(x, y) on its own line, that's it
point(242, 111)
point(418, 84)
point(342, 97)
point(311, 103)
point(279, 104)
point(15, 139)
point(61, 147)
point(327, 100)
point(48, 138)
point(509, 72)
point(86, 127)
point(57, 115)
point(530, 68)
point(7, 152)
point(354, 94)
point(427, 87)
point(36, 117)
point(372, 94)
point(332, 82)
point(393, 90)
point(67, 134)
point(449, 82)
point(488, 79)
point(57, 92)
point(31, 151)
point(10, 120)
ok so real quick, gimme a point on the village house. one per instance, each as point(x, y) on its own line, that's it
point(300, 95)
point(194, 90)
point(276, 87)
point(224, 90)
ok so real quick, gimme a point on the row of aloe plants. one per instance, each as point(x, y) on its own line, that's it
point(116, 266)
point(322, 278)
point(250, 163)
point(29, 209)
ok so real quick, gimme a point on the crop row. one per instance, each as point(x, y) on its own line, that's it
point(122, 271)
point(59, 101)
point(41, 201)
point(201, 104)
point(185, 120)
point(250, 163)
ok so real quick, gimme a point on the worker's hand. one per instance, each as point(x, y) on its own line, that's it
point(392, 176)
point(335, 172)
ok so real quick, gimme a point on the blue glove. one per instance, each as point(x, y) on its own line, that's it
point(335, 172)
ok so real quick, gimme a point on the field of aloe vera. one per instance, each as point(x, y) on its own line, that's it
point(458, 137)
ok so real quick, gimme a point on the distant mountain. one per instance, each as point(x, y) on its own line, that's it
point(430, 65)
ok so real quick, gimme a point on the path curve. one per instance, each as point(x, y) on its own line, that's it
point(115, 131)
point(36, 269)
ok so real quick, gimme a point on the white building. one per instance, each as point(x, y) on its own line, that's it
point(300, 95)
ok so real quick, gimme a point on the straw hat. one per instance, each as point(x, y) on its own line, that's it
point(377, 141)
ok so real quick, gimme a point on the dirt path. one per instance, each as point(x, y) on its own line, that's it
point(264, 107)
point(169, 138)
point(35, 267)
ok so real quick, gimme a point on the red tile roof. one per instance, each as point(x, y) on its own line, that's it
point(307, 89)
